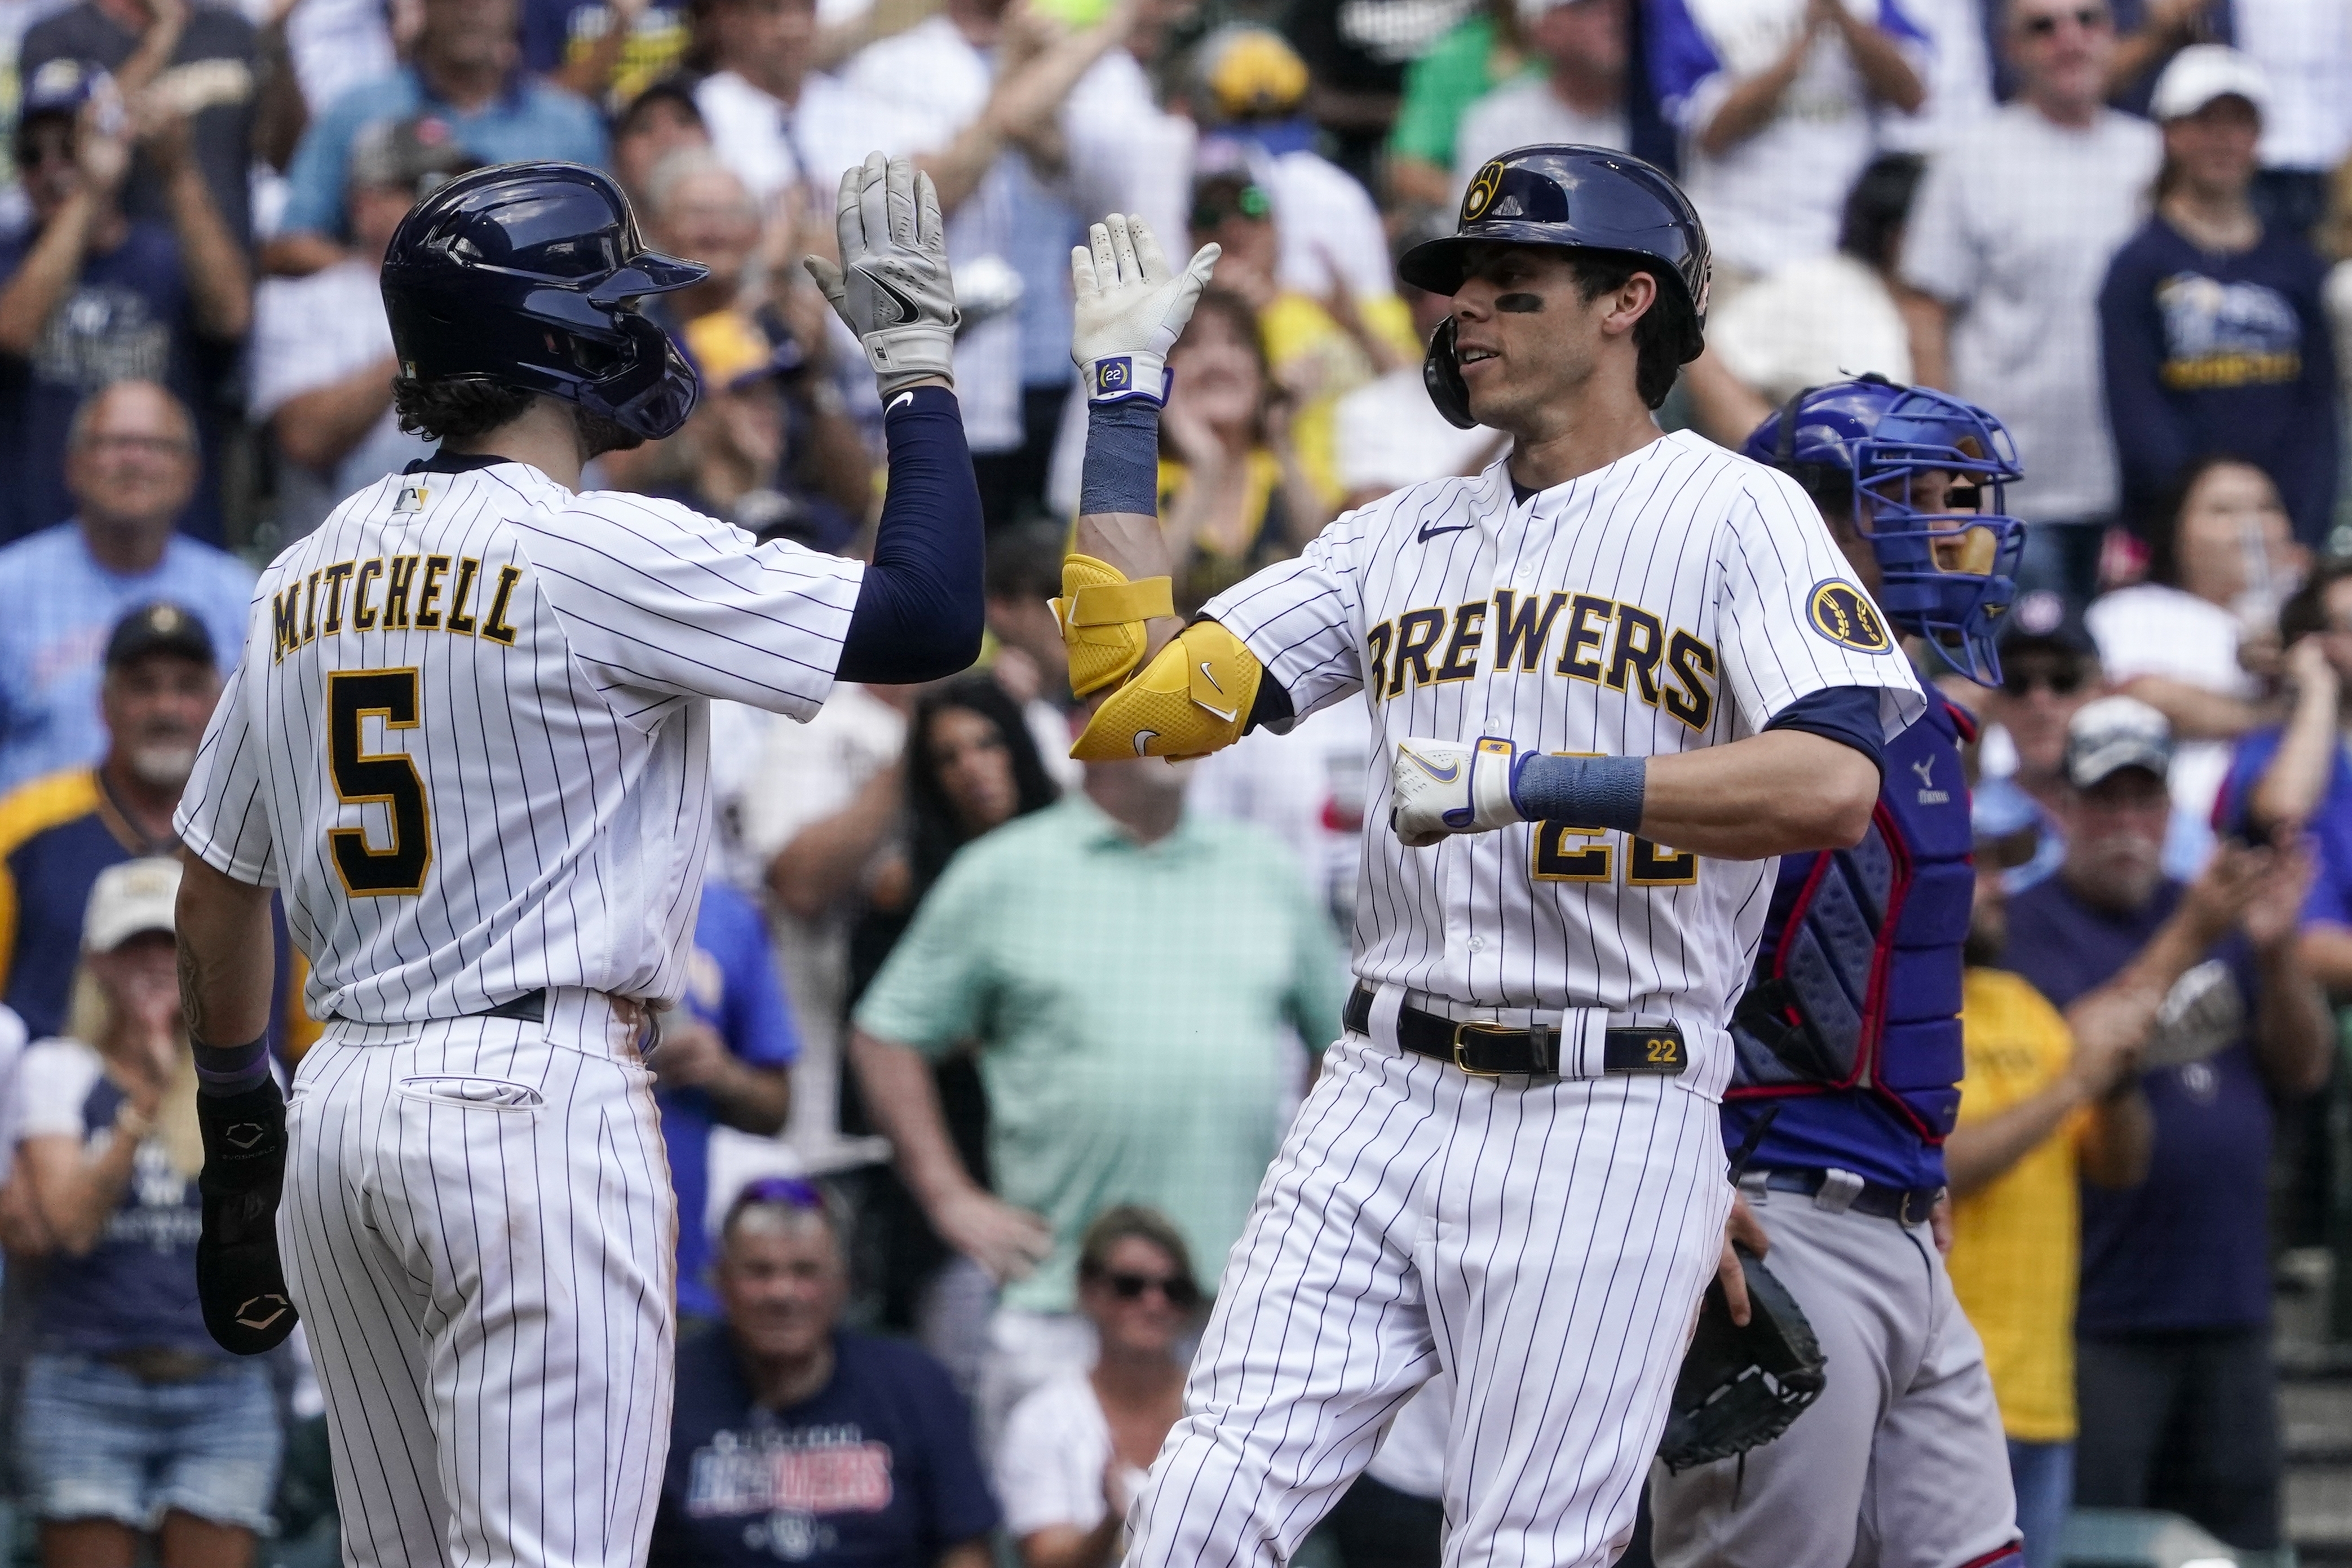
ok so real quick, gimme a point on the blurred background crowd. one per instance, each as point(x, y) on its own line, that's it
point(984, 1054)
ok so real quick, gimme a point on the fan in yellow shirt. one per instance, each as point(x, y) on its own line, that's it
point(2046, 1098)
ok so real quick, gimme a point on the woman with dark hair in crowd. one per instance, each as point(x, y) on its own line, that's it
point(970, 766)
point(1232, 493)
point(1075, 1452)
point(2211, 326)
point(2198, 638)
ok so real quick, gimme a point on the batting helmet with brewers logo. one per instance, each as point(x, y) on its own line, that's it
point(527, 275)
point(1566, 197)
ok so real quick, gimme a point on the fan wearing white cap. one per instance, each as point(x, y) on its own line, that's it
point(2212, 327)
point(134, 1421)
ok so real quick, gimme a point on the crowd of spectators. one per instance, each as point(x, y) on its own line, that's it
point(983, 1054)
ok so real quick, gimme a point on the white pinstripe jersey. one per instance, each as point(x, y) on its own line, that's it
point(469, 739)
point(1678, 597)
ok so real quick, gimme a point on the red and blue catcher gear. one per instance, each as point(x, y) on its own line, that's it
point(1850, 1022)
point(528, 275)
point(1947, 576)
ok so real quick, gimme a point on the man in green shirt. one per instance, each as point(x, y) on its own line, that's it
point(1127, 971)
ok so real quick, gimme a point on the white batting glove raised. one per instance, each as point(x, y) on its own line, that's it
point(1440, 787)
point(893, 287)
point(1130, 309)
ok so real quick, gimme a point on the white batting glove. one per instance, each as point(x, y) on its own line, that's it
point(1440, 787)
point(893, 287)
point(1130, 309)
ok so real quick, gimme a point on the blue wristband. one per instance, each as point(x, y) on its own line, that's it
point(1585, 792)
point(1122, 466)
point(224, 1069)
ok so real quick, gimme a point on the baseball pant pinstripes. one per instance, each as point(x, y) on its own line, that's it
point(1546, 1242)
point(478, 1228)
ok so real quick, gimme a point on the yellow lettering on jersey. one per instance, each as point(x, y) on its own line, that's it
point(311, 607)
point(397, 583)
point(1519, 633)
point(1641, 644)
point(1585, 633)
point(364, 614)
point(332, 579)
point(429, 590)
point(494, 624)
point(1460, 659)
point(1417, 632)
point(285, 609)
point(1692, 663)
point(461, 623)
point(1654, 865)
point(1377, 643)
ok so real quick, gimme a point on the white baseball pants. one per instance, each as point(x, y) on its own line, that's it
point(1547, 1243)
point(479, 1230)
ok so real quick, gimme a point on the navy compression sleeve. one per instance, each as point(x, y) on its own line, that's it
point(1847, 715)
point(920, 610)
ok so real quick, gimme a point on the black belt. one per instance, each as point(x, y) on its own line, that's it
point(1908, 1205)
point(1488, 1050)
point(529, 1007)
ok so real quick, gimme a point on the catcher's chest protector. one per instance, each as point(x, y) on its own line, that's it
point(1857, 985)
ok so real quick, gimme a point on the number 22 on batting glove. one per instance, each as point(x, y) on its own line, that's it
point(1128, 308)
point(893, 288)
point(1439, 788)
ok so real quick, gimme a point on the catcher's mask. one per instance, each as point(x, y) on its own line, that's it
point(1947, 575)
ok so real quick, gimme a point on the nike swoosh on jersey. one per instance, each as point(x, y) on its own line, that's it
point(1428, 533)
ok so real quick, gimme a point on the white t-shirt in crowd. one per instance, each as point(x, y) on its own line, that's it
point(2305, 47)
point(1387, 434)
point(310, 332)
point(1049, 1467)
point(1778, 194)
point(1307, 788)
point(1958, 73)
point(1521, 113)
point(53, 1082)
point(2155, 629)
point(2013, 229)
point(1815, 320)
point(1328, 224)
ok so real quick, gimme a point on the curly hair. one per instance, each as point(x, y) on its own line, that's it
point(468, 410)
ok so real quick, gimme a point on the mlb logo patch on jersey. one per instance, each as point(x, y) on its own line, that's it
point(412, 497)
point(1844, 615)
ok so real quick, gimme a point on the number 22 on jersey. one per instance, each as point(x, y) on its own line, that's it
point(390, 779)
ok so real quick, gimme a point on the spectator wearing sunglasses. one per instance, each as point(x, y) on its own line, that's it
point(2295, 779)
point(1075, 1451)
point(795, 1440)
point(2049, 669)
point(2196, 639)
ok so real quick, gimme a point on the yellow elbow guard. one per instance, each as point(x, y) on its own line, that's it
point(1102, 616)
point(1192, 700)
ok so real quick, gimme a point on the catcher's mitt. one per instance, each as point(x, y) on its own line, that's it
point(1740, 1387)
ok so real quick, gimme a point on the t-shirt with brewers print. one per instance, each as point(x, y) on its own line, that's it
point(1678, 597)
point(469, 737)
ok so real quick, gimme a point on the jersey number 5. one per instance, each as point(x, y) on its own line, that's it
point(376, 778)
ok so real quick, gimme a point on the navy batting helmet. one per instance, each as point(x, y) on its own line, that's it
point(1947, 574)
point(527, 275)
point(1568, 198)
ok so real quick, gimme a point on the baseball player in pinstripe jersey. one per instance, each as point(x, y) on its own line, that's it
point(468, 742)
point(1612, 678)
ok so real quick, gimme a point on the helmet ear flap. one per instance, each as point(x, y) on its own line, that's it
point(1441, 372)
